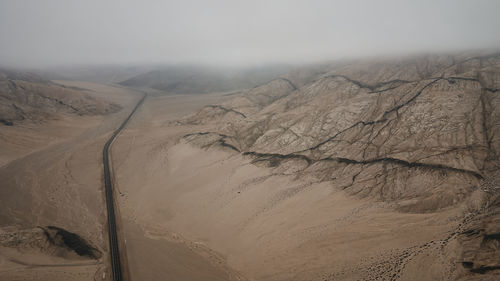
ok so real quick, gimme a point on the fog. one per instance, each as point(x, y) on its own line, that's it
point(48, 33)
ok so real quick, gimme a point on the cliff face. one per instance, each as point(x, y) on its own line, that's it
point(27, 96)
point(420, 133)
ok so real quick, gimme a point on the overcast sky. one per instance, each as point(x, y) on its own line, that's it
point(49, 32)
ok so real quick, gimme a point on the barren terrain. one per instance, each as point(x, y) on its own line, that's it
point(51, 177)
point(365, 170)
point(374, 170)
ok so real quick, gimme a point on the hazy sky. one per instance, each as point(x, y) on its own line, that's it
point(49, 32)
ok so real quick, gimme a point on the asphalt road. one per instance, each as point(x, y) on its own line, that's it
point(110, 205)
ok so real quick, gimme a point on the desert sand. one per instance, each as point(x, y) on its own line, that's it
point(377, 170)
point(216, 200)
point(381, 170)
point(51, 176)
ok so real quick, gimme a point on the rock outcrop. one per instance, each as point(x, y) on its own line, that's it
point(50, 241)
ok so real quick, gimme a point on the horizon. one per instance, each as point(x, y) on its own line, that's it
point(153, 66)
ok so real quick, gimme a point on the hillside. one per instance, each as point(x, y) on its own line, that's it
point(194, 79)
point(421, 134)
point(28, 96)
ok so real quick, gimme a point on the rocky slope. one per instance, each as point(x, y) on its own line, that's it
point(28, 96)
point(50, 241)
point(420, 133)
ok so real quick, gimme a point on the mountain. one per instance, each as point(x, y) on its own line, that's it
point(29, 96)
point(419, 133)
point(195, 79)
point(106, 74)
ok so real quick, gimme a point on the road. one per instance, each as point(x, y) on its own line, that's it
point(110, 205)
